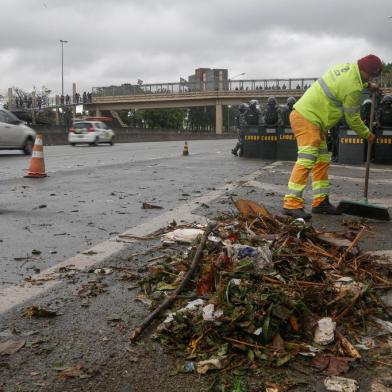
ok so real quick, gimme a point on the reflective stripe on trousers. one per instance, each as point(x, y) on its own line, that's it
point(313, 157)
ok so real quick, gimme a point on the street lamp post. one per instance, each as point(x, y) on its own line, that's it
point(62, 65)
point(228, 117)
point(236, 76)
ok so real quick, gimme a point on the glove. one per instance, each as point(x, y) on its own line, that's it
point(373, 87)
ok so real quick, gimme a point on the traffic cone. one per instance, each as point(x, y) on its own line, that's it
point(37, 163)
point(185, 151)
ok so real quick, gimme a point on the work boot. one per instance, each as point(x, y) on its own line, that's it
point(234, 152)
point(325, 207)
point(297, 213)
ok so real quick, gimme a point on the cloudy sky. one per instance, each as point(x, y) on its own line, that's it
point(121, 41)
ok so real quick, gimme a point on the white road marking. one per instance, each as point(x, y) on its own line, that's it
point(17, 294)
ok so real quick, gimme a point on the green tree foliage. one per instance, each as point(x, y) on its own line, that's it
point(164, 118)
point(201, 118)
point(387, 75)
point(155, 118)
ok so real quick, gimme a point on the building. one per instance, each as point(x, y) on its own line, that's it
point(208, 79)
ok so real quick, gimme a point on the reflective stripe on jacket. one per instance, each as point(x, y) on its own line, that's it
point(336, 94)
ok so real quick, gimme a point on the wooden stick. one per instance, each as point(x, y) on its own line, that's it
point(156, 258)
point(245, 343)
point(382, 363)
point(354, 243)
point(234, 366)
point(169, 300)
point(345, 311)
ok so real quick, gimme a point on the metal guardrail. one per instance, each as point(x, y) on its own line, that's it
point(201, 86)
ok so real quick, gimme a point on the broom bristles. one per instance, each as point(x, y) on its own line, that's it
point(364, 210)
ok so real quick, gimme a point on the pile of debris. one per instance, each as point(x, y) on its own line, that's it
point(268, 290)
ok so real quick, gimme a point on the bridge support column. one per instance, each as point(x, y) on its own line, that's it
point(34, 105)
point(57, 116)
point(73, 99)
point(218, 119)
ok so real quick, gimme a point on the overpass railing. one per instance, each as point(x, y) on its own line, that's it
point(203, 86)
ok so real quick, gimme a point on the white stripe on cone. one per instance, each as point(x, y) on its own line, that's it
point(37, 154)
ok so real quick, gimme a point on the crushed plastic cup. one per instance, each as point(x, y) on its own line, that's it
point(261, 255)
point(210, 314)
point(325, 331)
point(341, 384)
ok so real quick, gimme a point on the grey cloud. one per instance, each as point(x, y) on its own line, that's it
point(115, 41)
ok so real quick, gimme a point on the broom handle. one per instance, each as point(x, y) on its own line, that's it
point(369, 147)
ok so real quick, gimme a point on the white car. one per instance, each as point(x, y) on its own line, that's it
point(90, 132)
point(14, 134)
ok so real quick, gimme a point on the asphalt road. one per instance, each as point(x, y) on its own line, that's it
point(94, 193)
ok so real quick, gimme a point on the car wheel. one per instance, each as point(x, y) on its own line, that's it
point(28, 146)
point(72, 144)
point(95, 142)
point(111, 141)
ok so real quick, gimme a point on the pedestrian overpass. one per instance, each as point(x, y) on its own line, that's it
point(216, 93)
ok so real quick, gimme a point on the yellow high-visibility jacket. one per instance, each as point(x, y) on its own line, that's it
point(336, 93)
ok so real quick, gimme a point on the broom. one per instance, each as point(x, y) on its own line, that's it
point(363, 208)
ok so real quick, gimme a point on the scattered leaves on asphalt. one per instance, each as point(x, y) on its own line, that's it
point(263, 308)
point(37, 311)
point(10, 347)
point(148, 206)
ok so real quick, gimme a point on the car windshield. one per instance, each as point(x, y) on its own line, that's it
point(8, 117)
point(82, 125)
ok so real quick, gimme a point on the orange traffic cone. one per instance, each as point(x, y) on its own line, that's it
point(185, 150)
point(37, 163)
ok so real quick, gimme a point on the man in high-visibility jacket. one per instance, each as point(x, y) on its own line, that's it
point(336, 94)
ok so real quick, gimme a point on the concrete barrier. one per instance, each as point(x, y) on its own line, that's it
point(55, 135)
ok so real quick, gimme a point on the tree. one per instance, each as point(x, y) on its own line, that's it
point(387, 75)
point(155, 118)
point(201, 118)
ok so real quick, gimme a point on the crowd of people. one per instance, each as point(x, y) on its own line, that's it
point(273, 87)
point(25, 101)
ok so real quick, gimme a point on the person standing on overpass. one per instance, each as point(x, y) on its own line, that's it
point(336, 94)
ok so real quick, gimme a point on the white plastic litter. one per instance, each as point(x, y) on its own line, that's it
point(191, 306)
point(366, 343)
point(325, 331)
point(214, 238)
point(312, 351)
point(258, 331)
point(347, 285)
point(210, 314)
point(385, 325)
point(341, 384)
point(103, 271)
point(203, 367)
point(182, 235)
point(261, 255)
